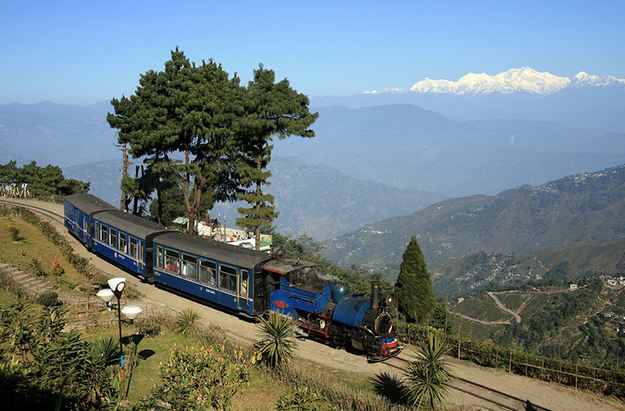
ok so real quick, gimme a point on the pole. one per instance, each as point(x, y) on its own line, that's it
point(119, 323)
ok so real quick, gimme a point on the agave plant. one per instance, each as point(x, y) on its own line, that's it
point(277, 342)
point(107, 349)
point(427, 377)
point(186, 322)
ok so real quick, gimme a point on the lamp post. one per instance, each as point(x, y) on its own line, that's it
point(117, 285)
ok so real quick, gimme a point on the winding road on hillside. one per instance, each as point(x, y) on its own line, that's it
point(475, 387)
point(502, 307)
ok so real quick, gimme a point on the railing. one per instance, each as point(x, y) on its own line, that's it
point(604, 380)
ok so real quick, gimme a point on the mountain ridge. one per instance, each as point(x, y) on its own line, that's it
point(586, 207)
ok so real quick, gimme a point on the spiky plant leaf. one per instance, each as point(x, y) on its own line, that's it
point(427, 377)
point(277, 343)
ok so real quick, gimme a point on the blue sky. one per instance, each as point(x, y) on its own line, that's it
point(86, 51)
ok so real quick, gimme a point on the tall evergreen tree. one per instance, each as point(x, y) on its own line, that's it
point(272, 109)
point(190, 110)
point(414, 286)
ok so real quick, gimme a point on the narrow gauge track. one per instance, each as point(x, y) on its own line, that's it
point(499, 399)
point(50, 214)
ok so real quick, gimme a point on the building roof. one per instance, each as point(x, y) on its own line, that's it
point(89, 203)
point(130, 223)
point(204, 247)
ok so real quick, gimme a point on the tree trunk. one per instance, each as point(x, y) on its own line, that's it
point(259, 192)
point(123, 203)
point(185, 189)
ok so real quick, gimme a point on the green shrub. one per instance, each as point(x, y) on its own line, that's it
point(49, 299)
point(151, 326)
point(207, 379)
point(427, 377)
point(277, 343)
point(106, 349)
point(187, 322)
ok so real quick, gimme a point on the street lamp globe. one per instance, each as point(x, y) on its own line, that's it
point(106, 295)
point(117, 284)
point(131, 311)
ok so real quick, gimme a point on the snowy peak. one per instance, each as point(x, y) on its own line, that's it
point(524, 79)
point(583, 79)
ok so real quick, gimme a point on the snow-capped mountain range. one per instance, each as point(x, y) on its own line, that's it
point(524, 79)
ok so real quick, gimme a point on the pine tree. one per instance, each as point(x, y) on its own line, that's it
point(272, 109)
point(414, 287)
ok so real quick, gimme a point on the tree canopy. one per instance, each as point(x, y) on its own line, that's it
point(42, 181)
point(415, 299)
point(197, 128)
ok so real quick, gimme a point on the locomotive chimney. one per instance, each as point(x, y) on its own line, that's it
point(375, 294)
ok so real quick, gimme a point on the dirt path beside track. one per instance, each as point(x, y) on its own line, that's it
point(552, 396)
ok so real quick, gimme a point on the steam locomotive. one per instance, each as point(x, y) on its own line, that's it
point(248, 282)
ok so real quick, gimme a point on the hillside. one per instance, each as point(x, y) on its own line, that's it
point(316, 200)
point(588, 207)
point(491, 271)
point(585, 323)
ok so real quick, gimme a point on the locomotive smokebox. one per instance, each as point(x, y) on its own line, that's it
point(375, 295)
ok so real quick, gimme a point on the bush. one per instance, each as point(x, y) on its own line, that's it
point(36, 268)
point(151, 326)
point(186, 322)
point(107, 350)
point(15, 234)
point(199, 380)
point(277, 343)
point(49, 299)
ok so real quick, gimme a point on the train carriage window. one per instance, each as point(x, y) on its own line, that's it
point(140, 258)
point(208, 273)
point(228, 278)
point(104, 234)
point(189, 267)
point(97, 231)
point(122, 243)
point(172, 261)
point(132, 246)
point(113, 242)
point(243, 287)
point(159, 257)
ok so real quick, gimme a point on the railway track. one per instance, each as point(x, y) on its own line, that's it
point(50, 214)
point(495, 398)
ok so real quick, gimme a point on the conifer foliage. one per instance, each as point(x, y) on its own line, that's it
point(415, 299)
point(197, 124)
point(272, 109)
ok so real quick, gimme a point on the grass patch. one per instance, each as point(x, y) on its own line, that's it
point(35, 247)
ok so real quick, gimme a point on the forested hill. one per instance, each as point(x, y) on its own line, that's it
point(588, 207)
point(484, 271)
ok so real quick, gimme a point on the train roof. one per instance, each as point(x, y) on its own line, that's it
point(89, 203)
point(204, 247)
point(130, 223)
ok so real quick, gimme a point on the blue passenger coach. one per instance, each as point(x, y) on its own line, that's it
point(126, 239)
point(212, 271)
point(79, 210)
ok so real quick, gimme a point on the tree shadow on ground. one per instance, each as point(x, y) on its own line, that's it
point(391, 387)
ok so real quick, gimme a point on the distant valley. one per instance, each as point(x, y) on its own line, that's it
point(584, 208)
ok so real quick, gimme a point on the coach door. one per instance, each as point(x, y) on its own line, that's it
point(243, 285)
point(260, 293)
